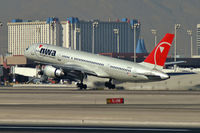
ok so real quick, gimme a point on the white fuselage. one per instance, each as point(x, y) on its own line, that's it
point(103, 66)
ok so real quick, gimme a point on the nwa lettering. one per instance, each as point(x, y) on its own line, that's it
point(49, 52)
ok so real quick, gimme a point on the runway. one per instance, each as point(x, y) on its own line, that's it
point(72, 108)
point(73, 129)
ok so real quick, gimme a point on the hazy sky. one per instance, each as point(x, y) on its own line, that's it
point(158, 14)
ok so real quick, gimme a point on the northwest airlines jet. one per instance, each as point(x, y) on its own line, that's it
point(63, 63)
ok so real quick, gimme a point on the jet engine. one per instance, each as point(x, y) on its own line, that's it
point(53, 72)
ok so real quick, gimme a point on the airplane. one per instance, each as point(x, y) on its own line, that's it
point(64, 63)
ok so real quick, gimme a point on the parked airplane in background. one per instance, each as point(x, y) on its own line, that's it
point(63, 63)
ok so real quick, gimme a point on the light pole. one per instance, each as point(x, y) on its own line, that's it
point(154, 32)
point(1, 25)
point(94, 25)
point(190, 34)
point(116, 31)
point(176, 26)
point(136, 25)
point(78, 30)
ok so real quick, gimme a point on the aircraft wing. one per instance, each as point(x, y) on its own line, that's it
point(71, 67)
point(74, 67)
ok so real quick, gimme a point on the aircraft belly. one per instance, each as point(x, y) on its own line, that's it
point(133, 78)
point(124, 76)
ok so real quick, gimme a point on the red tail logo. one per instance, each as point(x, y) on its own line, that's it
point(40, 45)
point(159, 54)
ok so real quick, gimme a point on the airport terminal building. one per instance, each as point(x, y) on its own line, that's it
point(92, 36)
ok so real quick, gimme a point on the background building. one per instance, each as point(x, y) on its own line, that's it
point(100, 36)
point(23, 33)
point(92, 36)
point(198, 39)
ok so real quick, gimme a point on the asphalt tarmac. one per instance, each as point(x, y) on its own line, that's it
point(92, 129)
point(143, 111)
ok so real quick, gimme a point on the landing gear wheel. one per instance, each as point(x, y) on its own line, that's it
point(82, 86)
point(109, 84)
point(112, 86)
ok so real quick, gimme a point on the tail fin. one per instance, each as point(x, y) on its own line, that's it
point(158, 56)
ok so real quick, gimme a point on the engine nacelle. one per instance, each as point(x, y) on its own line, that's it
point(53, 72)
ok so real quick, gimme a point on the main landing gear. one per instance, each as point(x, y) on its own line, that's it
point(81, 85)
point(109, 84)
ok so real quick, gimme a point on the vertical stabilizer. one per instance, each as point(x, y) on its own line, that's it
point(158, 56)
